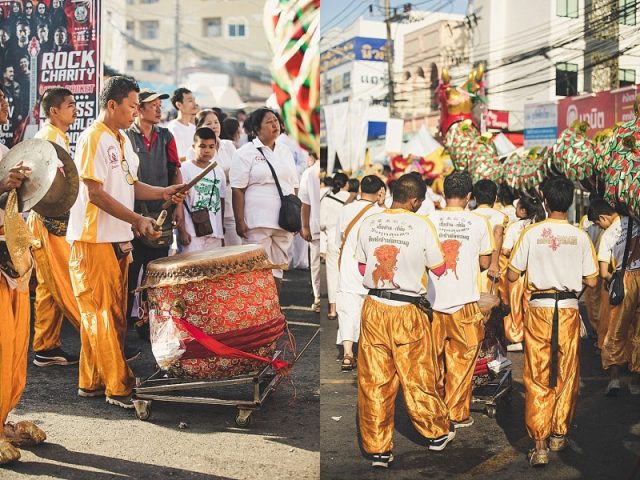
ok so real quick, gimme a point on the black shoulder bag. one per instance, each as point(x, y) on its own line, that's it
point(290, 218)
point(616, 285)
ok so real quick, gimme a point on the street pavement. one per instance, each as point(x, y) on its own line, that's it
point(604, 438)
point(88, 439)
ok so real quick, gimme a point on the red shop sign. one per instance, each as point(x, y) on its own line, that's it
point(497, 119)
point(597, 109)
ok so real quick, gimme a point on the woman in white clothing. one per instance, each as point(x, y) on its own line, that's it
point(256, 201)
point(330, 207)
point(226, 149)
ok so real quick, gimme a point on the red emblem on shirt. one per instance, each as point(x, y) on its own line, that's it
point(387, 256)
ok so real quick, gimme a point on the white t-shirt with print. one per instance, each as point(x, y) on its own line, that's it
point(309, 193)
point(183, 135)
point(249, 170)
point(103, 156)
point(464, 237)
point(496, 217)
point(613, 241)
point(208, 193)
point(555, 256)
point(331, 204)
point(350, 278)
point(397, 247)
point(513, 233)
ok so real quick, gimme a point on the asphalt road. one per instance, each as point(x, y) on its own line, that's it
point(604, 438)
point(88, 439)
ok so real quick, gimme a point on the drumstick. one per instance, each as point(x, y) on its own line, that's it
point(163, 214)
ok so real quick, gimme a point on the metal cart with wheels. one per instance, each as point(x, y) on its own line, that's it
point(498, 389)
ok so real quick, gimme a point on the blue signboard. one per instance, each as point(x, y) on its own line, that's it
point(541, 133)
point(358, 48)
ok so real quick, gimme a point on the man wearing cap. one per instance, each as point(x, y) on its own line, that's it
point(160, 167)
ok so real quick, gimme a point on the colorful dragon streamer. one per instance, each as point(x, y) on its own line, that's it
point(293, 31)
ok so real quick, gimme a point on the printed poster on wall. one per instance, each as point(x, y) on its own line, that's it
point(45, 44)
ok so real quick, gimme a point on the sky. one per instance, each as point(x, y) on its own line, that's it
point(341, 13)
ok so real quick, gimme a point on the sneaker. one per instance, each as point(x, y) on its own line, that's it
point(131, 353)
point(538, 458)
point(83, 392)
point(515, 347)
point(55, 356)
point(382, 460)
point(613, 388)
point(557, 442)
point(124, 401)
point(463, 423)
point(439, 443)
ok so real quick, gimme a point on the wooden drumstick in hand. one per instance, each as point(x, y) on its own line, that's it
point(160, 220)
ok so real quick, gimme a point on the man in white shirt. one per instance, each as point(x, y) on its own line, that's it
point(621, 343)
point(485, 193)
point(309, 195)
point(351, 293)
point(183, 128)
point(458, 327)
point(395, 250)
point(557, 259)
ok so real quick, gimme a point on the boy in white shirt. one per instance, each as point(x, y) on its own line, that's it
point(557, 258)
point(208, 194)
point(619, 345)
point(183, 128)
point(458, 327)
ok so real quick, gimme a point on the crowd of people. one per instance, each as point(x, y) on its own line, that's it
point(408, 269)
point(89, 261)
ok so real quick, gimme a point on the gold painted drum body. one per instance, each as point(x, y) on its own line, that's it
point(228, 293)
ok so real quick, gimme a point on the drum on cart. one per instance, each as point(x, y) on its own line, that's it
point(227, 293)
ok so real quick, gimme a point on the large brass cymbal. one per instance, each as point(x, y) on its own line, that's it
point(63, 191)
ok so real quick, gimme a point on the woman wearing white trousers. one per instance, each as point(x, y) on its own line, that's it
point(330, 207)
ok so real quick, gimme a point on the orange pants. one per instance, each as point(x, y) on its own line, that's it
point(592, 302)
point(603, 315)
point(14, 344)
point(54, 294)
point(99, 282)
point(519, 297)
point(396, 349)
point(620, 341)
point(457, 337)
point(549, 410)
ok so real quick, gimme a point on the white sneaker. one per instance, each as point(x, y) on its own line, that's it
point(515, 347)
point(613, 388)
point(634, 389)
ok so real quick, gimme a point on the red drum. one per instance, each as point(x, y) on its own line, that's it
point(229, 293)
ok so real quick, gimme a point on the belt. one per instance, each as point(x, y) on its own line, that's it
point(557, 296)
point(394, 296)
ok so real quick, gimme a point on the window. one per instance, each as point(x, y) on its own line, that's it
point(627, 10)
point(130, 65)
point(627, 77)
point(566, 79)
point(212, 27)
point(131, 27)
point(567, 8)
point(149, 29)
point(237, 30)
point(130, 2)
point(327, 86)
point(346, 80)
point(151, 65)
point(148, 1)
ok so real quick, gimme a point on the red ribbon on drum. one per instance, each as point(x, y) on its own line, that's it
point(222, 350)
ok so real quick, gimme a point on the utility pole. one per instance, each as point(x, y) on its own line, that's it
point(176, 58)
point(389, 55)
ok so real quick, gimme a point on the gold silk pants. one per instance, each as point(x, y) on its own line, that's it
point(603, 314)
point(592, 297)
point(620, 340)
point(99, 282)
point(14, 344)
point(54, 294)
point(550, 410)
point(519, 297)
point(457, 337)
point(396, 349)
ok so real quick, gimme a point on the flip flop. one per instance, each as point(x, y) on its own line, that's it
point(24, 434)
point(8, 453)
point(348, 363)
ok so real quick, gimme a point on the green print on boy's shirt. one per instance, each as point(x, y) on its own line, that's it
point(203, 195)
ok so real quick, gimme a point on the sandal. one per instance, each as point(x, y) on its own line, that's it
point(332, 317)
point(24, 434)
point(8, 453)
point(348, 363)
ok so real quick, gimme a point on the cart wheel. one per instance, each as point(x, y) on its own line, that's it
point(243, 418)
point(143, 409)
point(491, 411)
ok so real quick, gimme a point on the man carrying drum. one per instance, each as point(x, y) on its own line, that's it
point(100, 233)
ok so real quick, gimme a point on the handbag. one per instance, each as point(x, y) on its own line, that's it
point(289, 217)
point(616, 285)
point(200, 218)
point(166, 233)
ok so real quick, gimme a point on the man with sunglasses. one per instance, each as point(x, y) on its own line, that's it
point(100, 233)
